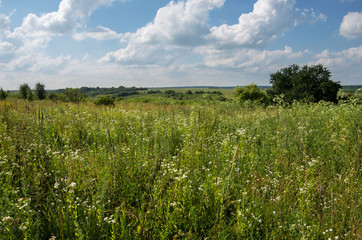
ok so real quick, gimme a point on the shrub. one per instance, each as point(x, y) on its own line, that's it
point(250, 93)
point(105, 101)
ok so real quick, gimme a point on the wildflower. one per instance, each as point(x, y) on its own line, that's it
point(5, 219)
point(23, 227)
point(56, 185)
point(73, 184)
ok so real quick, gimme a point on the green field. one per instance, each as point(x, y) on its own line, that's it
point(180, 170)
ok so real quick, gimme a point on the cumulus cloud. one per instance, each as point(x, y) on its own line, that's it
point(4, 26)
point(251, 59)
point(352, 56)
point(70, 15)
point(98, 33)
point(181, 28)
point(345, 65)
point(179, 24)
point(254, 29)
point(22, 45)
point(351, 26)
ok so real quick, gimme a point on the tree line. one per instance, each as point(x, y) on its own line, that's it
point(292, 83)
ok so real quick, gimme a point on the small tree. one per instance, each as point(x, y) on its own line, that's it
point(250, 93)
point(24, 90)
point(304, 83)
point(3, 94)
point(40, 91)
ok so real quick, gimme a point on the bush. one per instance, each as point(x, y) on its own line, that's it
point(250, 93)
point(105, 101)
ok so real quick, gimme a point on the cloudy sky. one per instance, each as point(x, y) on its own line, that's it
point(152, 43)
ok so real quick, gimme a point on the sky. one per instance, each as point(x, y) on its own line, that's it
point(163, 43)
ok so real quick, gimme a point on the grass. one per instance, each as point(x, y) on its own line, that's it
point(166, 170)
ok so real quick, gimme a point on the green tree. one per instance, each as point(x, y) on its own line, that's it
point(250, 93)
point(310, 83)
point(40, 91)
point(24, 90)
point(3, 94)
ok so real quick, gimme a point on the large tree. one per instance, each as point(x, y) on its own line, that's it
point(40, 91)
point(24, 91)
point(3, 94)
point(310, 83)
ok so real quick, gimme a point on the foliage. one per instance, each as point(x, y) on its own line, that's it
point(112, 91)
point(3, 94)
point(29, 94)
point(105, 101)
point(250, 93)
point(170, 92)
point(25, 91)
point(172, 171)
point(40, 92)
point(153, 91)
point(72, 95)
point(308, 83)
point(53, 96)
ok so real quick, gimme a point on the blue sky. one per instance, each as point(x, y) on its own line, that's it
point(154, 43)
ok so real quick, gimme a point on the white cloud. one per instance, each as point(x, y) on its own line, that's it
point(251, 59)
point(351, 26)
point(22, 46)
point(349, 57)
point(98, 33)
point(179, 24)
point(4, 25)
point(181, 28)
point(70, 15)
point(344, 65)
point(269, 18)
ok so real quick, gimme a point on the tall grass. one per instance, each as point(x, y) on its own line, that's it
point(192, 171)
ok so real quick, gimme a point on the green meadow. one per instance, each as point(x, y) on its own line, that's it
point(180, 170)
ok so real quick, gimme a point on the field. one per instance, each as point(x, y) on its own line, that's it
point(180, 170)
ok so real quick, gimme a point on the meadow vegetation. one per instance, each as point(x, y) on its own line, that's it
point(168, 169)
